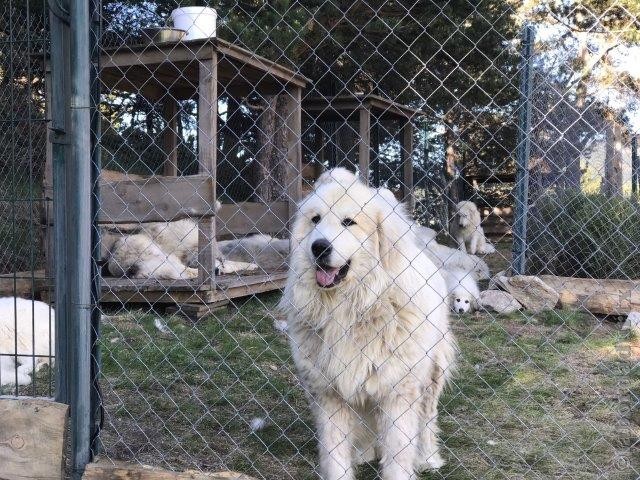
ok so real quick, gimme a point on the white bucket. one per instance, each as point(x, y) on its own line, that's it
point(198, 22)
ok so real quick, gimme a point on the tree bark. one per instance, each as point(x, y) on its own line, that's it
point(269, 184)
point(612, 181)
point(451, 159)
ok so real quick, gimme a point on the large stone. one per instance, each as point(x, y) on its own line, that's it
point(494, 282)
point(499, 301)
point(530, 291)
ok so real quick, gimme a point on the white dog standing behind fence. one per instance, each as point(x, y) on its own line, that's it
point(467, 230)
point(369, 330)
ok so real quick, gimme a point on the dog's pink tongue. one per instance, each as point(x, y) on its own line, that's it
point(326, 277)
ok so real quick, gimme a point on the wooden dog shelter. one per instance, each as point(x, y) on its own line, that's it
point(165, 73)
point(367, 111)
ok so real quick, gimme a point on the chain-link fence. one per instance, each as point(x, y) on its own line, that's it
point(255, 309)
point(26, 324)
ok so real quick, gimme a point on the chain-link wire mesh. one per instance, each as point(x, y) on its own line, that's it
point(26, 324)
point(261, 311)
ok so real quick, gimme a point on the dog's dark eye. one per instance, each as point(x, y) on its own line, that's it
point(347, 222)
point(466, 301)
point(457, 299)
point(315, 219)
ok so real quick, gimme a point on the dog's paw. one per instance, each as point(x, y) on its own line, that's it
point(434, 462)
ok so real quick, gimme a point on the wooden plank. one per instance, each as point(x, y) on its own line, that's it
point(177, 52)
point(599, 296)
point(346, 105)
point(156, 199)
point(115, 470)
point(364, 145)
point(170, 136)
point(187, 199)
point(207, 162)
point(406, 150)
point(243, 218)
point(196, 311)
point(24, 284)
point(293, 122)
point(32, 439)
point(185, 292)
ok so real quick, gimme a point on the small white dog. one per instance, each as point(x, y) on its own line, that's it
point(369, 329)
point(31, 325)
point(464, 293)
point(466, 229)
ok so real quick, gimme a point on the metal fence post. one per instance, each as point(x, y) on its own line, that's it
point(635, 166)
point(72, 172)
point(523, 153)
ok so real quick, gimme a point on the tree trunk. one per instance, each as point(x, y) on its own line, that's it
point(452, 187)
point(269, 184)
point(612, 181)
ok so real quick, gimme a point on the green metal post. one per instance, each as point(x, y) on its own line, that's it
point(70, 113)
point(523, 153)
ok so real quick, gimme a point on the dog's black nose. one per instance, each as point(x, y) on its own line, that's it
point(321, 249)
point(461, 310)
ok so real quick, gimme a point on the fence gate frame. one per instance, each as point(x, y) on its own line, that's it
point(70, 108)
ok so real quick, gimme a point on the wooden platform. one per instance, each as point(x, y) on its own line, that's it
point(23, 284)
point(227, 287)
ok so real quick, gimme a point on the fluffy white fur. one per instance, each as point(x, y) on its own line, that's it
point(466, 229)
point(32, 325)
point(451, 258)
point(373, 352)
point(464, 293)
point(169, 251)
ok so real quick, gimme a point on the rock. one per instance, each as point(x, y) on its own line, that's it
point(632, 323)
point(530, 291)
point(499, 301)
point(494, 282)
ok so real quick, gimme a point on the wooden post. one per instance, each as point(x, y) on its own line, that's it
point(319, 151)
point(364, 151)
point(170, 136)
point(33, 437)
point(293, 122)
point(207, 152)
point(407, 165)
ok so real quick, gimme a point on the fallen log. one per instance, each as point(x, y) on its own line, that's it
point(600, 296)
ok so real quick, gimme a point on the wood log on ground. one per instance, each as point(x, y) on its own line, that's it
point(106, 470)
point(32, 439)
point(600, 296)
point(532, 293)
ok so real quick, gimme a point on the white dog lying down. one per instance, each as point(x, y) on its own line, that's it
point(170, 251)
point(464, 293)
point(466, 229)
point(35, 335)
point(368, 328)
point(450, 258)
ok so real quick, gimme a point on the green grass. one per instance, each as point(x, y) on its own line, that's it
point(542, 396)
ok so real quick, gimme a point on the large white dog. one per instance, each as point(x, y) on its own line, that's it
point(31, 326)
point(467, 230)
point(169, 250)
point(369, 330)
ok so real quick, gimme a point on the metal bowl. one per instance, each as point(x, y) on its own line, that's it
point(162, 35)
